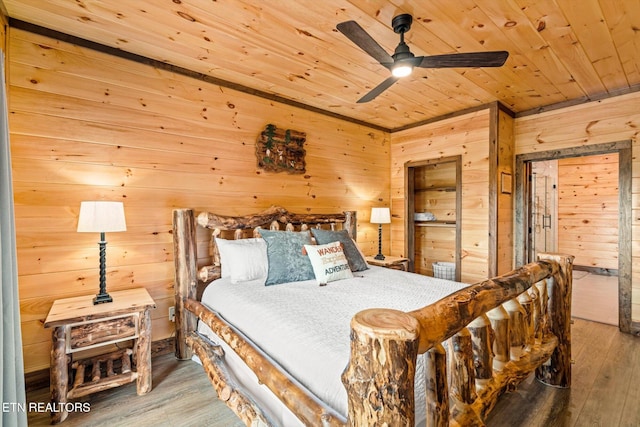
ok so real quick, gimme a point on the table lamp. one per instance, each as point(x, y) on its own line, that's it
point(101, 217)
point(380, 216)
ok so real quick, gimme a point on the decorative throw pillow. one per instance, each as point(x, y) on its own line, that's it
point(243, 260)
point(287, 263)
point(328, 261)
point(360, 251)
point(351, 251)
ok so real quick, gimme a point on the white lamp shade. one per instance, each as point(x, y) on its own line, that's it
point(380, 216)
point(101, 217)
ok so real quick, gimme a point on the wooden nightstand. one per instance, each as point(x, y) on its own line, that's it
point(79, 325)
point(394, 262)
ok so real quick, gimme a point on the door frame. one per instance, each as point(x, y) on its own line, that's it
point(523, 209)
point(409, 208)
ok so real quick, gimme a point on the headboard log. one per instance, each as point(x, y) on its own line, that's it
point(272, 218)
point(279, 214)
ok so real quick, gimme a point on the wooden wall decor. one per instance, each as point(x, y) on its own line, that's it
point(280, 150)
point(506, 183)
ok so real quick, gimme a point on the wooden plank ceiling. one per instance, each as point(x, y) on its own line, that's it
point(560, 50)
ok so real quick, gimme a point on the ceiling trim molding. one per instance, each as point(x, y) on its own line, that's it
point(47, 32)
point(578, 101)
point(486, 106)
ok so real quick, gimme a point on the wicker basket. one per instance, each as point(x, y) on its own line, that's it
point(444, 270)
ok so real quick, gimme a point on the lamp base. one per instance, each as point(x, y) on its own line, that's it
point(379, 257)
point(102, 298)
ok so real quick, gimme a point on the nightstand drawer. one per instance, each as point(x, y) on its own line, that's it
point(103, 331)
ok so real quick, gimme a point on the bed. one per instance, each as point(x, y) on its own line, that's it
point(367, 346)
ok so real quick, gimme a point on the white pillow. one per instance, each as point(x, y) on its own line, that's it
point(243, 260)
point(329, 262)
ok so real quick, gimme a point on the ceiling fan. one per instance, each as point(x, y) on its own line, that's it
point(402, 62)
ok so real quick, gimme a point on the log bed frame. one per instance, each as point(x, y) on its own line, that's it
point(480, 341)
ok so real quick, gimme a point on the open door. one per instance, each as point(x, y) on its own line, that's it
point(543, 207)
point(578, 201)
point(574, 209)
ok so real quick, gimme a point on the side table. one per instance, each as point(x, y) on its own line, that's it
point(79, 325)
point(393, 262)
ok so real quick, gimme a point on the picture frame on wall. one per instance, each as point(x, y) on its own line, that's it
point(506, 183)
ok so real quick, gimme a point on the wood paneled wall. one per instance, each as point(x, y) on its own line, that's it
point(3, 28)
point(466, 135)
point(504, 189)
point(85, 125)
point(609, 120)
point(588, 210)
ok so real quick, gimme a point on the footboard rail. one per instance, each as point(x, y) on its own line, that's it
point(307, 409)
point(495, 334)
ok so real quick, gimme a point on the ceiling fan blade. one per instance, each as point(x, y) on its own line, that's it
point(364, 41)
point(378, 89)
point(474, 59)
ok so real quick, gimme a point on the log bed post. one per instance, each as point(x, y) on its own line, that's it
point(499, 319)
point(437, 390)
point(184, 244)
point(517, 328)
point(536, 313)
point(380, 376)
point(482, 340)
point(557, 371)
point(462, 377)
point(526, 302)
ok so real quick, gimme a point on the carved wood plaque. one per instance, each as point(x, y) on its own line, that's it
point(279, 150)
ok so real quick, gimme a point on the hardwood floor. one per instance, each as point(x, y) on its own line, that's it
point(605, 392)
point(605, 389)
point(595, 297)
point(181, 396)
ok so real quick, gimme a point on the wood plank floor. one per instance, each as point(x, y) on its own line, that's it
point(605, 392)
point(595, 297)
point(604, 389)
point(182, 396)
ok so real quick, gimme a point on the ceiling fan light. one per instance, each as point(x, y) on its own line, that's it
point(402, 70)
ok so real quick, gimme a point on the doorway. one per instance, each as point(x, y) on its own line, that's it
point(574, 210)
point(564, 203)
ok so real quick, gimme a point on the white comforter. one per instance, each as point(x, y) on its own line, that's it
point(305, 327)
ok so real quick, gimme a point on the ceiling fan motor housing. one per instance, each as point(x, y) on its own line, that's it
point(402, 52)
point(402, 23)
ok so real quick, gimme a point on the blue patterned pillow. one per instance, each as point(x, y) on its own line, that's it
point(287, 262)
point(354, 257)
